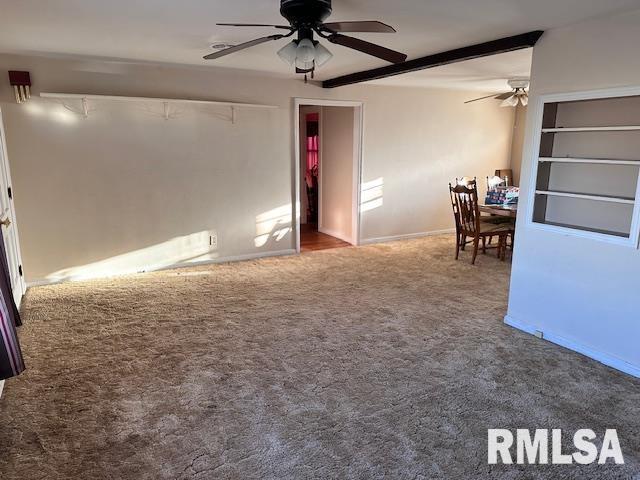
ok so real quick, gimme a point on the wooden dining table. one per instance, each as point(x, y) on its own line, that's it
point(510, 211)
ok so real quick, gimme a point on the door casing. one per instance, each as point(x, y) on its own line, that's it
point(7, 209)
point(357, 163)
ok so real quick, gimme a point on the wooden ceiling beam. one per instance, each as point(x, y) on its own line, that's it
point(503, 45)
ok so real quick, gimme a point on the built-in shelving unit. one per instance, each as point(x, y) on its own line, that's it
point(588, 177)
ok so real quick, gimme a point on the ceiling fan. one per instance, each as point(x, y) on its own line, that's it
point(517, 95)
point(305, 18)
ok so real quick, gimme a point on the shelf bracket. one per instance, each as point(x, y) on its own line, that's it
point(166, 110)
point(85, 107)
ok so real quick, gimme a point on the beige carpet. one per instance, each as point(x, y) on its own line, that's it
point(388, 361)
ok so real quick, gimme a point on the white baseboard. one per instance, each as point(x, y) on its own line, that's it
point(410, 236)
point(601, 357)
point(338, 235)
point(230, 259)
point(234, 258)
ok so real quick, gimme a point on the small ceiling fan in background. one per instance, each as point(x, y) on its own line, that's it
point(517, 95)
point(306, 18)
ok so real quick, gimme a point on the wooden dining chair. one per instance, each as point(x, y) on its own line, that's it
point(471, 226)
point(461, 240)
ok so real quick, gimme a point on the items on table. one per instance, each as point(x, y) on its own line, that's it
point(502, 195)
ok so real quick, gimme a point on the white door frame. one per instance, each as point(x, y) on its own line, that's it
point(4, 164)
point(358, 146)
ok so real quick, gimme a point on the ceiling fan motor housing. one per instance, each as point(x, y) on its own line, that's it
point(519, 83)
point(305, 12)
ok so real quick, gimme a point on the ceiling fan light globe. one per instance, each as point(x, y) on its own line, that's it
point(305, 66)
point(306, 51)
point(512, 101)
point(288, 53)
point(323, 55)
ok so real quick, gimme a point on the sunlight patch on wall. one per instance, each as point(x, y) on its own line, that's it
point(186, 249)
point(56, 112)
point(34, 108)
point(273, 224)
point(372, 195)
point(66, 117)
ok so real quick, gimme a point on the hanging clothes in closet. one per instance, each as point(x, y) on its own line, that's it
point(11, 362)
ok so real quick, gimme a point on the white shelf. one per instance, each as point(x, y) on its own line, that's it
point(621, 128)
point(81, 96)
point(602, 161)
point(588, 229)
point(584, 196)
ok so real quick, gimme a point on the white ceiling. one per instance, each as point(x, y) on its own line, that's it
point(180, 32)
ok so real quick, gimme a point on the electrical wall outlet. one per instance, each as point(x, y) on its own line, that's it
point(539, 334)
point(213, 240)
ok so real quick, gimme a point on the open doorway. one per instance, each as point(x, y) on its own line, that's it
point(328, 173)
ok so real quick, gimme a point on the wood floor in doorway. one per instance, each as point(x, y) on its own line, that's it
point(311, 239)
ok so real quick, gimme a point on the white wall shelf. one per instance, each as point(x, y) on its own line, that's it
point(583, 196)
point(587, 229)
point(620, 128)
point(80, 96)
point(166, 102)
point(599, 161)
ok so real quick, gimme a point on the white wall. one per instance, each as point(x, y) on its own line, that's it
point(91, 191)
point(580, 292)
point(336, 170)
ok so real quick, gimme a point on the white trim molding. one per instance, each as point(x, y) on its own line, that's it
point(408, 236)
point(597, 355)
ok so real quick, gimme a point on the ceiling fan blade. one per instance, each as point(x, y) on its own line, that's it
point(504, 96)
point(370, 26)
point(368, 48)
point(252, 25)
point(481, 98)
point(242, 46)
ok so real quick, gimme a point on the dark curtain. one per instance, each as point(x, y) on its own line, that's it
point(11, 362)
